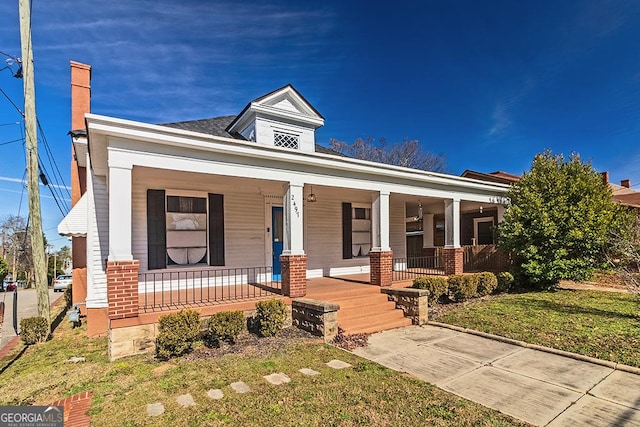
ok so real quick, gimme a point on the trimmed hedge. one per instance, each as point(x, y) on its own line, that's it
point(34, 330)
point(270, 315)
point(177, 332)
point(505, 280)
point(487, 283)
point(437, 286)
point(225, 326)
point(463, 286)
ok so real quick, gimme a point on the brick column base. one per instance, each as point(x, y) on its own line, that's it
point(381, 268)
point(122, 288)
point(453, 261)
point(294, 275)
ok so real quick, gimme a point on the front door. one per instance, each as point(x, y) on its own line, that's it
point(277, 240)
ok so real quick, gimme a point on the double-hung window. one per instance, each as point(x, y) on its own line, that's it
point(184, 229)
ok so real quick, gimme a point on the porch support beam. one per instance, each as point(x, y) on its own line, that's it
point(427, 227)
point(500, 209)
point(380, 222)
point(428, 247)
point(120, 214)
point(452, 223)
point(293, 220)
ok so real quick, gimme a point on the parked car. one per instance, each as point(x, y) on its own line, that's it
point(62, 282)
point(8, 286)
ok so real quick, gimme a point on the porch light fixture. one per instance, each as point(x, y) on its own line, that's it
point(419, 210)
point(311, 198)
point(480, 209)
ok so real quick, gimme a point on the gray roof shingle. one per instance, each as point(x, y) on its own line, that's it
point(217, 126)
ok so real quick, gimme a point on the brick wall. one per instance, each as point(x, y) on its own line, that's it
point(122, 288)
point(453, 261)
point(294, 275)
point(381, 268)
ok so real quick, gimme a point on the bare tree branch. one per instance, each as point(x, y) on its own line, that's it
point(408, 153)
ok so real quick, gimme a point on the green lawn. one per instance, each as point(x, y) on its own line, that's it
point(366, 394)
point(599, 324)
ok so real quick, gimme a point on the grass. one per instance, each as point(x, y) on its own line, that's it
point(599, 324)
point(366, 394)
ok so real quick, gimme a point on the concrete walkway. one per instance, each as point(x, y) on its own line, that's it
point(534, 386)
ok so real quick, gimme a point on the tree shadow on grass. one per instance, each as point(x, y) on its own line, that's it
point(574, 309)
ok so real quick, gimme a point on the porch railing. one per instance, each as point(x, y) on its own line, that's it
point(181, 288)
point(484, 258)
point(410, 268)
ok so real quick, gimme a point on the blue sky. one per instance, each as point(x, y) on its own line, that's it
point(488, 84)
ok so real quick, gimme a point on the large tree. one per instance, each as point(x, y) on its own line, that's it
point(559, 222)
point(408, 153)
point(17, 247)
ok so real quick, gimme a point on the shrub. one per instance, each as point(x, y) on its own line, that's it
point(487, 283)
point(505, 280)
point(177, 332)
point(34, 330)
point(437, 286)
point(463, 286)
point(271, 315)
point(225, 326)
point(68, 297)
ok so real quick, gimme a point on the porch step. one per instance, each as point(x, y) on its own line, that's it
point(370, 311)
point(363, 308)
point(373, 322)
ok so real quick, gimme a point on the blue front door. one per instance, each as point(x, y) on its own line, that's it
point(277, 240)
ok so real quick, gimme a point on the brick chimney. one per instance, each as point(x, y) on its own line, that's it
point(605, 177)
point(626, 183)
point(80, 93)
point(80, 105)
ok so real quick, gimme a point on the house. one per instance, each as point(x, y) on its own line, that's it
point(238, 208)
point(623, 193)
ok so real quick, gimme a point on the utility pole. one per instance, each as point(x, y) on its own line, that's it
point(31, 145)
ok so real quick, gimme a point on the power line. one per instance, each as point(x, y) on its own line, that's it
point(51, 188)
point(10, 56)
point(52, 160)
point(12, 103)
point(11, 142)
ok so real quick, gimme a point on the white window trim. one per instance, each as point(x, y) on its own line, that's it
point(476, 221)
point(361, 206)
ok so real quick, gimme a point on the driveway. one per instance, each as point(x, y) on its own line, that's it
point(538, 387)
point(27, 307)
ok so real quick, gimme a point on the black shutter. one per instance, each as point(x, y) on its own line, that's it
point(156, 230)
point(216, 229)
point(346, 231)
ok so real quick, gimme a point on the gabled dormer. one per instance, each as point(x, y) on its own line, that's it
point(282, 118)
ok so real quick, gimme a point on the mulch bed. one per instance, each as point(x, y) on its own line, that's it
point(250, 344)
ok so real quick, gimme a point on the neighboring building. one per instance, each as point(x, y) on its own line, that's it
point(623, 193)
point(497, 176)
point(238, 203)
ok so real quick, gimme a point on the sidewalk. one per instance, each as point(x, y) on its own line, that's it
point(27, 307)
point(532, 385)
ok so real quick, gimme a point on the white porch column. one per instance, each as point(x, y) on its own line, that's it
point(380, 222)
point(452, 223)
point(120, 213)
point(500, 212)
point(293, 223)
point(427, 228)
